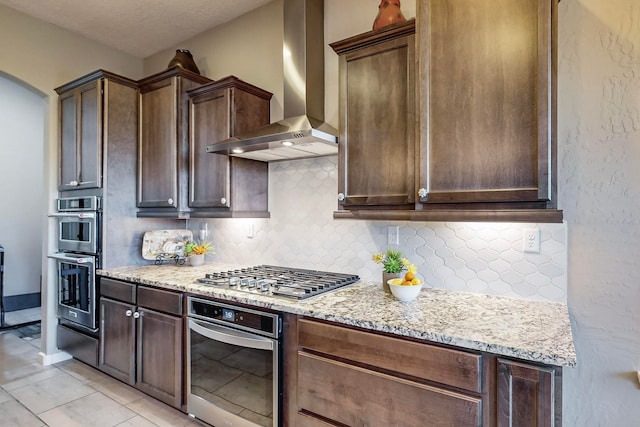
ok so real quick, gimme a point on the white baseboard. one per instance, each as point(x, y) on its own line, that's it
point(50, 359)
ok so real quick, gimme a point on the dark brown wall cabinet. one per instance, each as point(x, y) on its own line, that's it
point(92, 112)
point(163, 145)
point(141, 338)
point(337, 376)
point(219, 185)
point(482, 144)
point(377, 108)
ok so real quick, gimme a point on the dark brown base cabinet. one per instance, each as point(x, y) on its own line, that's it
point(338, 376)
point(141, 338)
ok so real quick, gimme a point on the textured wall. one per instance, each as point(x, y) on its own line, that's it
point(475, 257)
point(599, 150)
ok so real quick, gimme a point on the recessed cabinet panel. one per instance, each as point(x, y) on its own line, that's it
point(209, 173)
point(80, 110)
point(90, 141)
point(487, 105)
point(377, 105)
point(68, 138)
point(528, 395)
point(158, 161)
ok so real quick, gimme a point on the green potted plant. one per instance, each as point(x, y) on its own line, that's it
point(392, 265)
point(195, 251)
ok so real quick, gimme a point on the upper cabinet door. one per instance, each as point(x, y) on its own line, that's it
point(209, 173)
point(487, 112)
point(377, 119)
point(158, 145)
point(80, 152)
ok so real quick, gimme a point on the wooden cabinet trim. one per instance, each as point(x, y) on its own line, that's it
point(454, 368)
point(463, 214)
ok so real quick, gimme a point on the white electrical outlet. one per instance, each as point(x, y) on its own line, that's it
point(393, 237)
point(531, 240)
point(251, 232)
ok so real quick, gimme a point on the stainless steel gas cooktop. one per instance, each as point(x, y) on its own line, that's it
point(279, 281)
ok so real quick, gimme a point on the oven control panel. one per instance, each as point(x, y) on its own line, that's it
point(256, 321)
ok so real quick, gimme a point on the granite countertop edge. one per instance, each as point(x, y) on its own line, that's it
point(529, 330)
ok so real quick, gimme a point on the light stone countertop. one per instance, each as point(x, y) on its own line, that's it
point(530, 330)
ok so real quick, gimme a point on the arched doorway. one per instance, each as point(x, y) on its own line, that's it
point(22, 193)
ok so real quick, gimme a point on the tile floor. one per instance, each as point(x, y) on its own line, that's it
point(70, 393)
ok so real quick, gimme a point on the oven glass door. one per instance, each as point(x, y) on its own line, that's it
point(78, 232)
point(233, 376)
point(76, 288)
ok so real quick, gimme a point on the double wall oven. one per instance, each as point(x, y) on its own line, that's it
point(77, 257)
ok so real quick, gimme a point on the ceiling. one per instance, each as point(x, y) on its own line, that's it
point(138, 27)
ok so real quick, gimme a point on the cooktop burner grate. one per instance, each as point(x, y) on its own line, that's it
point(279, 281)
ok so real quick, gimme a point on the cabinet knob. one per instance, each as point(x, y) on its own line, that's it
point(341, 197)
point(136, 315)
point(422, 192)
point(170, 201)
point(223, 201)
point(128, 313)
point(74, 183)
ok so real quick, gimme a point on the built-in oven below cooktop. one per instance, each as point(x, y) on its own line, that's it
point(276, 281)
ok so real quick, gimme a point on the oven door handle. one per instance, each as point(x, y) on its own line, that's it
point(91, 215)
point(78, 260)
point(230, 336)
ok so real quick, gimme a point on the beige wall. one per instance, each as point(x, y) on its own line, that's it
point(250, 48)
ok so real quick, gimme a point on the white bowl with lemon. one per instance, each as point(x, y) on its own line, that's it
point(405, 288)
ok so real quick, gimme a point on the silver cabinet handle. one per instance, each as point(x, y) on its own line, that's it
point(74, 183)
point(341, 197)
point(136, 315)
point(223, 201)
point(128, 313)
point(422, 192)
point(170, 201)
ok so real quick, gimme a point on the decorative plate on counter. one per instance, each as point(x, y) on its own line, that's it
point(165, 243)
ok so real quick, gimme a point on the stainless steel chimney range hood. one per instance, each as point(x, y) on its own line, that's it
point(303, 132)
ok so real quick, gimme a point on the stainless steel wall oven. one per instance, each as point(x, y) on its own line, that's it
point(77, 258)
point(234, 365)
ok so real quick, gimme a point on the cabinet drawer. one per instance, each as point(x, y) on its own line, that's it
point(80, 346)
point(115, 289)
point(447, 366)
point(160, 299)
point(352, 395)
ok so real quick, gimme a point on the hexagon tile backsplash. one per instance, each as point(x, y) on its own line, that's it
point(475, 257)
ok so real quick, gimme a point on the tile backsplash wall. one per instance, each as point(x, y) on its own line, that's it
point(476, 257)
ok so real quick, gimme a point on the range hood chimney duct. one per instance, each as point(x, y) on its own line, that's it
point(303, 132)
